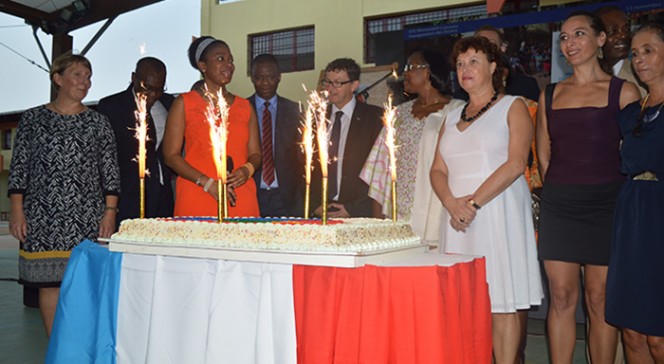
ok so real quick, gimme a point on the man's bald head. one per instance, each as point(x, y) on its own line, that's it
point(149, 78)
point(151, 64)
point(493, 34)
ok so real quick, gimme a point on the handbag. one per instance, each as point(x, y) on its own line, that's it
point(532, 170)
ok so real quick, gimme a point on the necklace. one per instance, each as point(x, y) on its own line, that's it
point(423, 105)
point(479, 113)
point(649, 118)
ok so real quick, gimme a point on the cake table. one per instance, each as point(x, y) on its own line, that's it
point(330, 259)
point(136, 308)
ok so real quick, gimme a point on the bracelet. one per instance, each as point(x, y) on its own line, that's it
point(474, 204)
point(112, 208)
point(198, 180)
point(208, 184)
point(250, 167)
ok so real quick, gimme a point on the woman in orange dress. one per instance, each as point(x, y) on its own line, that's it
point(187, 126)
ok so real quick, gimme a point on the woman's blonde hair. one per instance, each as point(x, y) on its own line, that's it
point(63, 62)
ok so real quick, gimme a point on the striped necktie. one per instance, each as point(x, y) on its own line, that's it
point(266, 146)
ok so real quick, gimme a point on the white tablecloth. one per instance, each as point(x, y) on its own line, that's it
point(183, 310)
point(131, 308)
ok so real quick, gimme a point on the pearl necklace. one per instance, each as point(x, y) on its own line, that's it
point(479, 113)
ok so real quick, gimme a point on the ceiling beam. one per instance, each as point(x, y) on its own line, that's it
point(29, 14)
point(104, 9)
point(97, 10)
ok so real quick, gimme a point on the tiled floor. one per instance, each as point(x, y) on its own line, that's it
point(22, 338)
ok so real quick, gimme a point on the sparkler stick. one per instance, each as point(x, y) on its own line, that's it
point(218, 137)
point(318, 106)
point(389, 117)
point(307, 143)
point(142, 135)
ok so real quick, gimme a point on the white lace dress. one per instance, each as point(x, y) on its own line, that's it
point(416, 144)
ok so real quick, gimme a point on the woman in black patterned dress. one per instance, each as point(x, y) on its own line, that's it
point(63, 181)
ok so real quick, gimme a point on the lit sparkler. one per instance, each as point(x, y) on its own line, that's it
point(318, 111)
point(307, 144)
point(142, 136)
point(389, 117)
point(217, 117)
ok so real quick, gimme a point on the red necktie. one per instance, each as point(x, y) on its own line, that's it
point(266, 143)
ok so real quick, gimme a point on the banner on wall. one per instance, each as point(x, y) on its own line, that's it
point(516, 20)
point(560, 70)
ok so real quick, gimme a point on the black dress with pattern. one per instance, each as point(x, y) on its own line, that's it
point(64, 166)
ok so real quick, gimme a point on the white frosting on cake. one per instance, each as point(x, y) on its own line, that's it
point(341, 235)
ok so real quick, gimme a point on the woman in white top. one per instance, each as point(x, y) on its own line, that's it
point(477, 174)
point(426, 74)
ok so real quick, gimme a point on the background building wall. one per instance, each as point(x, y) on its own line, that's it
point(339, 31)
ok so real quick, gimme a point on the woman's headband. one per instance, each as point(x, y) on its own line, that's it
point(201, 47)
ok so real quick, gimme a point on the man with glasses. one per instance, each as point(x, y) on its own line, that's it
point(280, 177)
point(149, 79)
point(353, 130)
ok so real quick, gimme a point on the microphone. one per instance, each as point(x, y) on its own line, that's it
point(363, 94)
point(229, 164)
point(229, 169)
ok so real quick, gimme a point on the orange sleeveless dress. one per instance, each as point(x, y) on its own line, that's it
point(190, 199)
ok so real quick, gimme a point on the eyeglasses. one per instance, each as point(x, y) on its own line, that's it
point(336, 84)
point(409, 67)
point(151, 90)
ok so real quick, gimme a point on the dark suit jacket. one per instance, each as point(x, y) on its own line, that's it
point(119, 109)
point(519, 84)
point(288, 158)
point(365, 125)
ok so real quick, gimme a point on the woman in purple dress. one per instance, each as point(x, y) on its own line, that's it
point(578, 150)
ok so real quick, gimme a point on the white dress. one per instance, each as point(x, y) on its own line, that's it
point(503, 229)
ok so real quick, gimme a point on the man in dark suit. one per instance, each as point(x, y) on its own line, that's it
point(516, 83)
point(149, 78)
point(281, 175)
point(354, 129)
